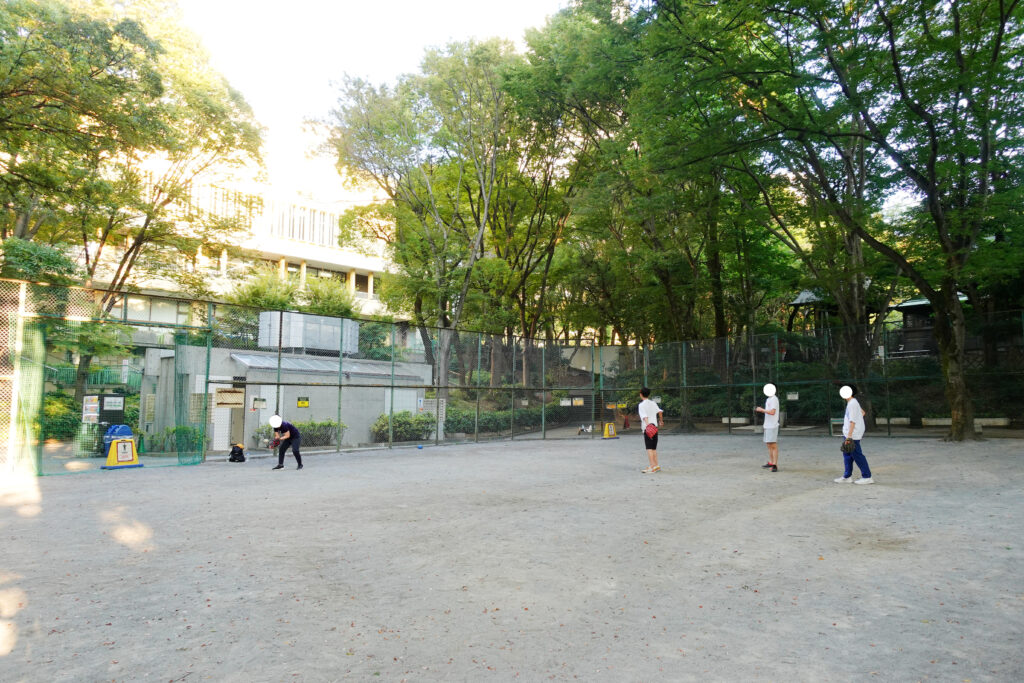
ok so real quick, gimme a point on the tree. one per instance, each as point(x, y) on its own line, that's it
point(852, 103)
point(24, 260)
point(435, 145)
point(76, 89)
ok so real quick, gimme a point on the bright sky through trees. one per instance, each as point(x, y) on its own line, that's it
point(283, 57)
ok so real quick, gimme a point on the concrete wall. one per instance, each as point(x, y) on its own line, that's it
point(365, 393)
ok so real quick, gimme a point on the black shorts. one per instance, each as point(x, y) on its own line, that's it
point(651, 442)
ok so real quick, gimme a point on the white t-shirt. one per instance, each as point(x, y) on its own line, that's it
point(855, 415)
point(771, 421)
point(648, 412)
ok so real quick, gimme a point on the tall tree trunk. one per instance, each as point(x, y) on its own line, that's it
point(950, 335)
point(82, 377)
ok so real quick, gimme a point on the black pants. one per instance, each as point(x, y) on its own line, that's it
point(294, 443)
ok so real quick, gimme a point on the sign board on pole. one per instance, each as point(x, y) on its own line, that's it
point(229, 397)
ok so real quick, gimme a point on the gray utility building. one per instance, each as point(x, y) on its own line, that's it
point(311, 388)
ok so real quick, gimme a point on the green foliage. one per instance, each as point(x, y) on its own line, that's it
point(498, 421)
point(62, 416)
point(24, 260)
point(265, 290)
point(315, 434)
point(375, 341)
point(404, 427)
point(327, 296)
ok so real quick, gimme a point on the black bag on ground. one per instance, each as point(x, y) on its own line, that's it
point(237, 453)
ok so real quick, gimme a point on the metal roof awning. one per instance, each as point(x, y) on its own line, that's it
point(257, 361)
point(261, 362)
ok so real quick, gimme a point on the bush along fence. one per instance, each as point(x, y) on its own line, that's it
point(193, 377)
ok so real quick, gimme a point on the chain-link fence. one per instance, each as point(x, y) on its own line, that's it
point(193, 378)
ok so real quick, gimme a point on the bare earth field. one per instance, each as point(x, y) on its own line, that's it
point(528, 560)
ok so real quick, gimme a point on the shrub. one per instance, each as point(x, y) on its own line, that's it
point(61, 416)
point(314, 434)
point(404, 427)
point(464, 420)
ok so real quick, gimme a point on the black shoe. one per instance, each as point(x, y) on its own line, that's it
point(278, 467)
point(299, 467)
point(775, 468)
point(766, 465)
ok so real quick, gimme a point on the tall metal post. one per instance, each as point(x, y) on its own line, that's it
point(684, 407)
point(728, 395)
point(479, 352)
point(391, 408)
point(543, 392)
point(512, 391)
point(775, 376)
point(885, 378)
point(341, 374)
point(593, 387)
point(280, 343)
point(206, 386)
point(646, 362)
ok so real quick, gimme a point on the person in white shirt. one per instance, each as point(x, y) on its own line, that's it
point(650, 414)
point(853, 431)
point(771, 426)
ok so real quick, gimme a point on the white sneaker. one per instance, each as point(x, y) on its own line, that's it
point(843, 480)
point(862, 480)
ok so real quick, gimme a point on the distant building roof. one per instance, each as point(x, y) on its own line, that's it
point(920, 301)
point(806, 297)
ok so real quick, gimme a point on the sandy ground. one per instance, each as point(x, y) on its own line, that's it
point(525, 561)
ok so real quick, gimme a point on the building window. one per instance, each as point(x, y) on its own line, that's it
point(362, 283)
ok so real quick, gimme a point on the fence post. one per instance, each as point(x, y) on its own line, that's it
point(206, 389)
point(775, 376)
point(479, 353)
point(543, 392)
point(593, 386)
point(684, 408)
point(391, 407)
point(341, 374)
point(646, 363)
point(512, 393)
point(728, 393)
point(280, 343)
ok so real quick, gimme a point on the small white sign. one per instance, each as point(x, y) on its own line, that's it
point(564, 402)
point(125, 453)
point(792, 395)
point(113, 403)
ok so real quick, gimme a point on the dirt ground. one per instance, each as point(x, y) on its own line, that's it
point(535, 560)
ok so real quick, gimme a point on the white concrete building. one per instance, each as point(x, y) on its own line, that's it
point(299, 238)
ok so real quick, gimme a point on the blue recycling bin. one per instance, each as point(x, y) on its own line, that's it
point(115, 432)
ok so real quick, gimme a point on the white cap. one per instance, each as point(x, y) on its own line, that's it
point(845, 391)
point(275, 421)
point(769, 389)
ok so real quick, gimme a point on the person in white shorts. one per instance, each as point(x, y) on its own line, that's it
point(771, 426)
